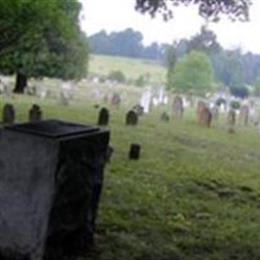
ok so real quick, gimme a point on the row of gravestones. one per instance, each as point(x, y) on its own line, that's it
point(103, 118)
point(8, 115)
point(35, 115)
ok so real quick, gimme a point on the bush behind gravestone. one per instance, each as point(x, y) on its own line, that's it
point(235, 104)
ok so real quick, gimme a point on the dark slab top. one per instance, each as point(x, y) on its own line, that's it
point(53, 128)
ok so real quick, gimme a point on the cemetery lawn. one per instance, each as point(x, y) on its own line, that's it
point(193, 195)
point(132, 68)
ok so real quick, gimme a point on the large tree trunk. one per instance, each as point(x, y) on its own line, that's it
point(21, 83)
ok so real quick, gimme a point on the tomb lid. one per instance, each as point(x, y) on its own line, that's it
point(52, 128)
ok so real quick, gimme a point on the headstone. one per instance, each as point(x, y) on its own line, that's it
point(134, 152)
point(138, 109)
point(145, 101)
point(178, 107)
point(165, 117)
point(50, 184)
point(8, 114)
point(131, 118)
point(103, 118)
point(215, 112)
point(231, 120)
point(204, 114)
point(35, 114)
point(116, 100)
point(244, 114)
point(64, 100)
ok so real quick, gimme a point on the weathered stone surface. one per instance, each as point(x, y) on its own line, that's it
point(204, 115)
point(134, 151)
point(50, 184)
point(8, 114)
point(131, 118)
point(35, 113)
point(103, 117)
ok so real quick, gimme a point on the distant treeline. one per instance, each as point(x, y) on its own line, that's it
point(232, 68)
point(127, 43)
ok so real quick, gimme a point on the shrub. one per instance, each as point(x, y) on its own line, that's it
point(235, 104)
point(241, 92)
point(117, 75)
point(220, 101)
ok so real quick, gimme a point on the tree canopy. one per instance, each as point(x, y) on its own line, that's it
point(126, 43)
point(209, 9)
point(192, 73)
point(42, 38)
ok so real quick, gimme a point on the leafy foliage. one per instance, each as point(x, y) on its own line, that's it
point(42, 38)
point(235, 104)
point(209, 9)
point(191, 73)
point(241, 92)
point(126, 43)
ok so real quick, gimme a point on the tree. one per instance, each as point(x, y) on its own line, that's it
point(257, 87)
point(205, 41)
point(48, 40)
point(241, 92)
point(209, 9)
point(193, 73)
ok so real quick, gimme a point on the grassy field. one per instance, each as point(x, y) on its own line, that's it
point(193, 195)
point(132, 68)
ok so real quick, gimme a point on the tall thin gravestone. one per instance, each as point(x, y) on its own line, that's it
point(231, 121)
point(131, 118)
point(103, 118)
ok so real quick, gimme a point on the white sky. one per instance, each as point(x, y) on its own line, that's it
point(117, 15)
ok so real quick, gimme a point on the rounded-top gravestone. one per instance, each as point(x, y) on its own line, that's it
point(103, 118)
point(131, 118)
point(8, 114)
point(35, 113)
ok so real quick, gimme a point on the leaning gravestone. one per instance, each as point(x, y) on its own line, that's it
point(131, 118)
point(8, 114)
point(134, 152)
point(103, 117)
point(35, 114)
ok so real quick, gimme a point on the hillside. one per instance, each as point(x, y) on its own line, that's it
point(193, 195)
point(132, 68)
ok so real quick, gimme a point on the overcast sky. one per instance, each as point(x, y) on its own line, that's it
point(116, 15)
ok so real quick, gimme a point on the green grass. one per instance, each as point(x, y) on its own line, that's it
point(132, 68)
point(193, 195)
